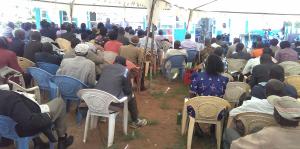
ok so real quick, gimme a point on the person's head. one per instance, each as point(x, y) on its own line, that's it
point(140, 33)
point(120, 60)
point(219, 51)
point(113, 35)
point(188, 36)
point(85, 37)
point(33, 26)
point(131, 32)
point(127, 29)
point(286, 110)
point(11, 25)
point(214, 65)
point(269, 51)
point(19, 34)
point(266, 59)
point(134, 40)
point(259, 39)
point(115, 28)
point(285, 44)
point(47, 47)
point(3, 43)
point(275, 87)
point(103, 31)
point(27, 26)
point(239, 47)
point(207, 42)
point(121, 31)
point(44, 24)
point(100, 25)
point(160, 32)
point(177, 44)
point(68, 27)
point(274, 42)
point(213, 40)
point(277, 72)
point(81, 49)
point(219, 37)
point(236, 40)
point(83, 26)
point(36, 36)
point(74, 42)
point(63, 26)
point(259, 45)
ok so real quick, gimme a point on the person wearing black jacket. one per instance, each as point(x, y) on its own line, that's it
point(30, 121)
point(17, 45)
point(33, 46)
point(48, 55)
point(114, 80)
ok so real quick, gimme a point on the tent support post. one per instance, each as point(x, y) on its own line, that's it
point(71, 10)
point(189, 20)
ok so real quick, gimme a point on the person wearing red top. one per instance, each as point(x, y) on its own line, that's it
point(113, 44)
point(258, 50)
point(8, 58)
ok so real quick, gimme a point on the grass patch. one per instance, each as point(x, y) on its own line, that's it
point(135, 134)
point(152, 122)
point(164, 106)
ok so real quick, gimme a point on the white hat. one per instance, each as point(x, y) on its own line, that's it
point(286, 106)
point(82, 48)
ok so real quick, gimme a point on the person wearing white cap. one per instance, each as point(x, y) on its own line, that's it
point(79, 67)
point(286, 135)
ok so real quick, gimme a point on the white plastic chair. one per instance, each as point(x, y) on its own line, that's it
point(35, 90)
point(98, 103)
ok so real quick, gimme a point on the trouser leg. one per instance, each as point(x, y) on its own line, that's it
point(132, 108)
point(58, 115)
point(229, 136)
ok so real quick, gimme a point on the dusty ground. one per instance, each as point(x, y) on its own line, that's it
point(160, 106)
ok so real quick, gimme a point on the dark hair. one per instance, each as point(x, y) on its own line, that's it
point(266, 59)
point(33, 26)
point(68, 27)
point(47, 47)
point(213, 40)
point(84, 36)
point(74, 42)
point(219, 51)
point(269, 51)
point(3, 43)
point(19, 34)
point(188, 36)
point(285, 44)
point(277, 72)
point(214, 65)
point(207, 42)
point(177, 44)
point(113, 35)
point(283, 121)
point(236, 40)
point(127, 29)
point(131, 32)
point(44, 24)
point(120, 60)
point(160, 32)
point(27, 26)
point(259, 38)
point(83, 26)
point(239, 47)
point(35, 36)
point(219, 37)
point(274, 42)
point(100, 25)
point(114, 28)
point(259, 45)
point(121, 31)
point(140, 33)
point(275, 87)
point(11, 25)
point(103, 31)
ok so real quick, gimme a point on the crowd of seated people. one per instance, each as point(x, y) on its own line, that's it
point(86, 61)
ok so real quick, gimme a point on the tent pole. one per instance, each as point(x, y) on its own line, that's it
point(71, 10)
point(189, 20)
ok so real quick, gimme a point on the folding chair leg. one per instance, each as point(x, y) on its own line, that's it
point(125, 117)
point(219, 134)
point(190, 133)
point(111, 129)
point(86, 127)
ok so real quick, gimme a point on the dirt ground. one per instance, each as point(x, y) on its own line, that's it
point(159, 105)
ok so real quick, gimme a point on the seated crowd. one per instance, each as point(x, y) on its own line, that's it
point(106, 58)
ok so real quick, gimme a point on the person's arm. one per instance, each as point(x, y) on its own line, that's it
point(247, 67)
point(13, 63)
point(92, 76)
point(126, 83)
point(277, 56)
point(254, 140)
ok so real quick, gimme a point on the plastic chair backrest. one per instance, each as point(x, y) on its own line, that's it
point(233, 92)
point(7, 128)
point(98, 101)
point(207, 107)
point(51, 68)
point(236, 64)
point(177, 61)
point(294, 81)
point(63, 44)
point(191, 55)
point(227, 75)
point(254, 122)
point(25, 63)
point(68, 86)
point(42, 77)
